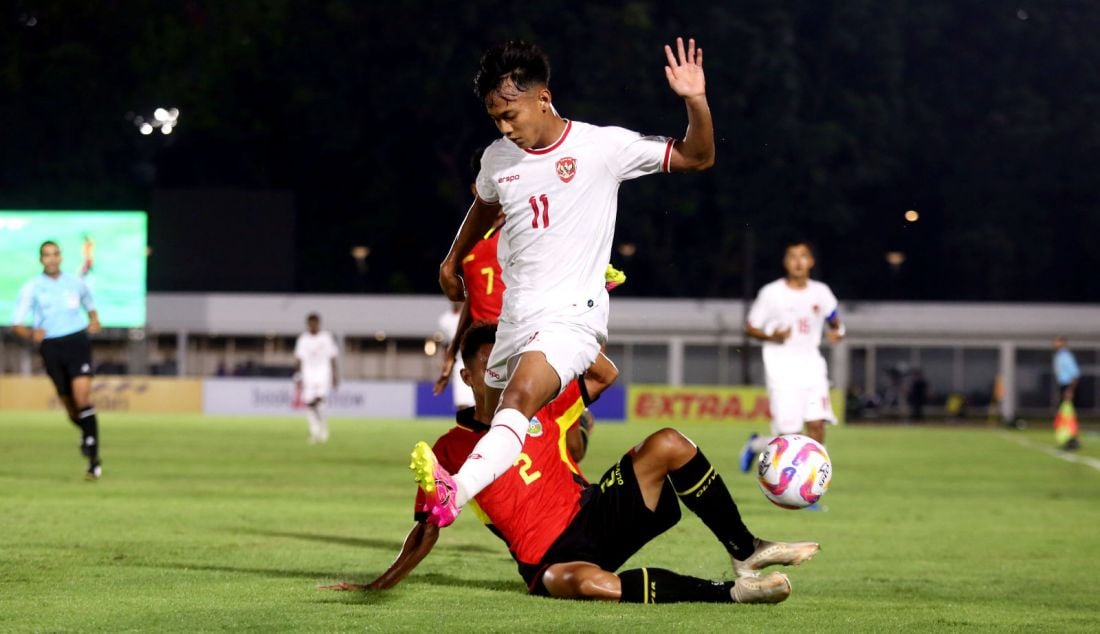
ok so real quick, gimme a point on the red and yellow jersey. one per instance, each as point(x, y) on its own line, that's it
point(533, 502)
point(481, 273)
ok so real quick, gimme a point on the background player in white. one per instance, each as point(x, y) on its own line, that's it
point(557, 183)
point(315, 373)
point(461, 394)
point(789, 315)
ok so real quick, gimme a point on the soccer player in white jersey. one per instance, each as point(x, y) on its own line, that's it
point(316, 372)
point(789, 316)
point(557, 183)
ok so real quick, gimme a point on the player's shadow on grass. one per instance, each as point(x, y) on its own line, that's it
point(372, 597)
point(365, 542)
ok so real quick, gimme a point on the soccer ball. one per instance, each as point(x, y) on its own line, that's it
point(794, 471)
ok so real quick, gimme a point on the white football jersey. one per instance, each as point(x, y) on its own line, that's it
point(316, 353)
point(797, 361)
point(559, 204)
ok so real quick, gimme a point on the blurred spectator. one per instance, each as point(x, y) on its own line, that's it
point(854, 403)
point(918, 394)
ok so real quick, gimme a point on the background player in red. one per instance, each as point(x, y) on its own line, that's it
point(569, 537)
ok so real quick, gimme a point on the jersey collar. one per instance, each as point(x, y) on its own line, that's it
point(465, 418)
point(556, 144)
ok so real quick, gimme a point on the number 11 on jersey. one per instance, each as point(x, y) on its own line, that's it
point(545, 211)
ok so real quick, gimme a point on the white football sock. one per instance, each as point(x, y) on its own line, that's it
point(760, 443)
point(494, 454)
point(314, 422)
point(322, 424)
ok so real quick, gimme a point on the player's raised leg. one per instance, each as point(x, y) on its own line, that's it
point(532, 384)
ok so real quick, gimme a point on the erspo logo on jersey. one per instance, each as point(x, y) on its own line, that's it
point(508, 179)
point(567, 168)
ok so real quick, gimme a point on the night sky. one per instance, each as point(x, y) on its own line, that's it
point(306, 129)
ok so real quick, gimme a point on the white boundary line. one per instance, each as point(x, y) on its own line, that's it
point(1050, 451)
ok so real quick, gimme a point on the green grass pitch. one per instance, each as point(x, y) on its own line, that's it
point(206, 524)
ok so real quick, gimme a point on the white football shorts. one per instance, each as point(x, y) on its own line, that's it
point(792, 407)
point(570, 343)
point(312, 391)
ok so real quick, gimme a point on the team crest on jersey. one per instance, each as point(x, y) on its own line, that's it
point(817, 309)
point(567, 168)
point(535, 428)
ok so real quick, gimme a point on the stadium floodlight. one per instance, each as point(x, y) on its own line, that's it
point(167, 119)
point(912, 215)
point(430, 347)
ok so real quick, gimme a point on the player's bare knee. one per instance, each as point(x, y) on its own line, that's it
point(671, 445)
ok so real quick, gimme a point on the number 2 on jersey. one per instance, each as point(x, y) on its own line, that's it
point(545, 211)
point(525, 470)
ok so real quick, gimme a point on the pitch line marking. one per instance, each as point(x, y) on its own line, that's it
point(1050, 451)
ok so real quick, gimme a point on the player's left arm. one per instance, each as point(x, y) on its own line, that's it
point(89, 305)
point(600, 376)
point(93, 322)
point(684, 71)
point(836, 330)
point(418, 543)
point(453, 348)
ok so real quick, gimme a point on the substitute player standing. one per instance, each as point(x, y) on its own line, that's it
point(316, 371)
point(788, 316)
point(57, 303)
point(557, 183)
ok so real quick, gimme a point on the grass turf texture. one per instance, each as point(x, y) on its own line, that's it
point(232, 523)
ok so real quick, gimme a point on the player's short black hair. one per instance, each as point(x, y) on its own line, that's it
point(478, 335)
point(522, 62)
point(46, 244)
point(313, 317)
point(801, 242)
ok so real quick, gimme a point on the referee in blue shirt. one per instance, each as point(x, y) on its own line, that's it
point(57, 302)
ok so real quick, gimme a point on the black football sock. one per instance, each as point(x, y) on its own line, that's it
point(89, 426)
point(657, 585)
point(701, 489)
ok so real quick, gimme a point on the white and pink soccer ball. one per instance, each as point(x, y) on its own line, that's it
point(794, 471)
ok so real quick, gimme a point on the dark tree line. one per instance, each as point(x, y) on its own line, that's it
point(833, 119)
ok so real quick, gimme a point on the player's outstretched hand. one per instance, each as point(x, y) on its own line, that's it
point(444, 376)
point(685, 69)
point(346, 586)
